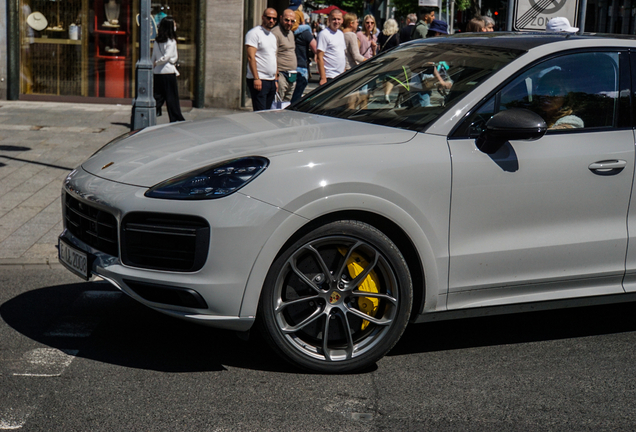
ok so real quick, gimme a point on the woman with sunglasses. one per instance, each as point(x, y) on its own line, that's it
point(367, 37)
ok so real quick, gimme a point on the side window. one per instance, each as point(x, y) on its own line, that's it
point(571, 92)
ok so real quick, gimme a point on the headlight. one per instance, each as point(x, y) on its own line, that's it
point(211, 182)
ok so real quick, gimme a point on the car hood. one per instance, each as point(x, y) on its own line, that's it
point(162, 152)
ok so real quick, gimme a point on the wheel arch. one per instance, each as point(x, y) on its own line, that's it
point(417, 253)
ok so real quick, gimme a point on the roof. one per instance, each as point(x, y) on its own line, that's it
point(523, 41)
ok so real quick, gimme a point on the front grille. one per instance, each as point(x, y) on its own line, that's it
point(165, 241)
point(94, 227)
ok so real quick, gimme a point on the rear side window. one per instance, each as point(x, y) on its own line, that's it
point(572, 92)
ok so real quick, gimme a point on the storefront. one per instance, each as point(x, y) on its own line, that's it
point(86, 50)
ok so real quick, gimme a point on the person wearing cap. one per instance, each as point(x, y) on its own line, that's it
point(437, 28)
point(297, 7)
point(427, 15)
point(560, 24)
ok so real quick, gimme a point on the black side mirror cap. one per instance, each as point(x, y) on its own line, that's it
point(512, 124)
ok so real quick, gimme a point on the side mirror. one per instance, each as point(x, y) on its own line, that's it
point(512, 124)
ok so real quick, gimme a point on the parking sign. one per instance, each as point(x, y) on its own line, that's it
point(533, 15)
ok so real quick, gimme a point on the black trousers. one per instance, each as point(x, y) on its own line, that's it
point(166, 90)
point(262, 100)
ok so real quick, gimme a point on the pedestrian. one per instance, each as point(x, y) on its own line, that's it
point(165, 73)
point(406, 34)
point(560, 24)
point(389, 38)
point(305, 43)
point(476, 25)
point(297, 7)
point(437, 28)
point(427, 15)
point(261, 46)
point(331, 48)
point(490, 23)
point(352, 51)
point(286, 55)
point(368, 39)
point(315, 28)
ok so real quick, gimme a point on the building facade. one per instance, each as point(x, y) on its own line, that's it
point(86, 50)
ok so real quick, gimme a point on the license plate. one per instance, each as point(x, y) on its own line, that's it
point(74, 259)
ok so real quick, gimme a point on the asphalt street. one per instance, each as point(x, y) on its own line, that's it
point(78, 356)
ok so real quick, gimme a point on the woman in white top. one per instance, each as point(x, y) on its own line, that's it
point(164, 59)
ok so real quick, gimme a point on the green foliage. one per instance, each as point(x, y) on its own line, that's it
point(462, 5)
point(405, 7)
point(355, 6)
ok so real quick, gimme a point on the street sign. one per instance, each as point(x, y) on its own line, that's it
point(430, 3)
point(533, 15)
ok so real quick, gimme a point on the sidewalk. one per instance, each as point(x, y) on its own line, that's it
point(40, 142)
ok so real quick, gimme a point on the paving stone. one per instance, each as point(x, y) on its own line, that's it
point(40, 142)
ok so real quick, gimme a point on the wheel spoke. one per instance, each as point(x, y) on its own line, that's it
point(321, 262)
point(302, 276)
point(349, 349)
point(283, 305)
point(346, 260)
point(311, 318)
point(375, 295)
point(325, 339)
point(360, 314)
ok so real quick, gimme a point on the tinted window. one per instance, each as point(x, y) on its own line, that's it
point(571, 92)
point(410, 86)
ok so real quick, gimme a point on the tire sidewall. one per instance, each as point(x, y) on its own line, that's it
point(361, 231)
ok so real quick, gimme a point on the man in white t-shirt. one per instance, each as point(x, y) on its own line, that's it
point(331, 48)
point(261, 47)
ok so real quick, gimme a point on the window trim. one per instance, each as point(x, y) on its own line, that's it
point(460, 130)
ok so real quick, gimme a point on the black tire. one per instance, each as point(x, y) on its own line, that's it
point(310, 291)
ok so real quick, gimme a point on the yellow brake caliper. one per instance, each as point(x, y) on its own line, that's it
point(356, 265)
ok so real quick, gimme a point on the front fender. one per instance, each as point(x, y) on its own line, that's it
point(431, 253)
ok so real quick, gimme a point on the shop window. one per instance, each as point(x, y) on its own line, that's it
point(89, 48)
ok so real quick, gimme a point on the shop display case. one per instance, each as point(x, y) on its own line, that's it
point(112, 33)
point(76, 49)
point(51, 54)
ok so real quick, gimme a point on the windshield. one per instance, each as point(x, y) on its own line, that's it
point(410, 86)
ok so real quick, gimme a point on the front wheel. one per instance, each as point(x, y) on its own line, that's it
point(338, 299)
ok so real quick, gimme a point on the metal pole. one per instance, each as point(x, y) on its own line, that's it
point(510, 13)
point(13, 49)
point(582, 12)
point(144, 108)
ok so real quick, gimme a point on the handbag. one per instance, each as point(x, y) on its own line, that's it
point(278, 103)
point(386, 43)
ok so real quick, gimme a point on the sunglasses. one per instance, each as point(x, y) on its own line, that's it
point(289, 20)
point(369, 22)
point(270, 18)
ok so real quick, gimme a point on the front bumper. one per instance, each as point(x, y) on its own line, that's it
point(239, 227)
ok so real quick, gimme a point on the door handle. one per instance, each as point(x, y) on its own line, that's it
point(608, 167)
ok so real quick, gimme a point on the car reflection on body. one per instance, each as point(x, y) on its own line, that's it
point(495, 179)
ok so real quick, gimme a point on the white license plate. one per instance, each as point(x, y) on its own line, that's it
point(74, 259)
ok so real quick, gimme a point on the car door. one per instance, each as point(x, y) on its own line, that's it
point(545, 219)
